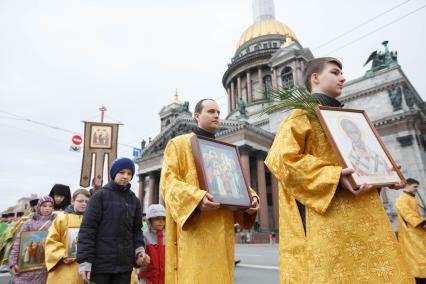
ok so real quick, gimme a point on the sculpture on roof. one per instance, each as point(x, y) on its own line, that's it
point(242, 106)
point(185, 106)
point(381, 60)
point(395, 96)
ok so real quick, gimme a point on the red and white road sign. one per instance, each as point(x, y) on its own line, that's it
point(76, 140)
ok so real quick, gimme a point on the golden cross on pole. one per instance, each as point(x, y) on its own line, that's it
point(102, 109)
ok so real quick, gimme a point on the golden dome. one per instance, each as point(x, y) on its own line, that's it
point(266, 27)
point(176, 99)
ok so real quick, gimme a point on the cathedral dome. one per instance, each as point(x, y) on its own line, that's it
point(264, 28)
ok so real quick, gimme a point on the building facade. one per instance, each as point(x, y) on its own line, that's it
point(269, 55)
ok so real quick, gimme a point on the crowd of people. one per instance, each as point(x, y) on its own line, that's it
point(329, 231)
point(111, 246)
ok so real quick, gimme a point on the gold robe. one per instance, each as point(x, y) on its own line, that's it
point(56, 242)
point(412, 235)
point(349, 238)
point(8, 237)
point(200, 245)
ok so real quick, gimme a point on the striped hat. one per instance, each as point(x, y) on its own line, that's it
point(42, 200)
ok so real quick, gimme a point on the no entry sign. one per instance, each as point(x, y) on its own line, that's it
point(76, 140)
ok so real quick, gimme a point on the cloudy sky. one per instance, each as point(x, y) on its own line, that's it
point(61, 60)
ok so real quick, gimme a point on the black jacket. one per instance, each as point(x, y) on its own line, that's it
point(111, 230)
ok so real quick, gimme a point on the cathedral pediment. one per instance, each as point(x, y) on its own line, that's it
point(180, 125)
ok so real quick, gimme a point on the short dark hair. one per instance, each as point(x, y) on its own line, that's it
point(411, 181)
point(317, 65)
point(199, 105)
point(80, 191)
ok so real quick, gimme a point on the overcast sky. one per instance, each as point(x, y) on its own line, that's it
point(61, 60)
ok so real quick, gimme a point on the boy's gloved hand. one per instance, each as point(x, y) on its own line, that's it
point(142, 259)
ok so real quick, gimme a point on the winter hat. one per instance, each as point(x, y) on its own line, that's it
point(155, 210)
point(42, 200)
point(121, 164)
point(33, 202)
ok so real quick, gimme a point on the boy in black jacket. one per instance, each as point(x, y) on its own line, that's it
point(110, 237)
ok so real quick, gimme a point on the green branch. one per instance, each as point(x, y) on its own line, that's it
point(296, 97)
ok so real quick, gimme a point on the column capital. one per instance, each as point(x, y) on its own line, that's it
point(141, 177)
point(261, 155)
point(245, 149)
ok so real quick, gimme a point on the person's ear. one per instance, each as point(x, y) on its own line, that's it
point(197, 116)
point(314, 79)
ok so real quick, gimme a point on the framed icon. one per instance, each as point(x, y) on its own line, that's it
point(220, 173)
point(31, 251)
point(358, 145)
point(72, 239)
point(100, 136)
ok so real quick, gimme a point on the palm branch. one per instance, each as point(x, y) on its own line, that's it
point(296, 97)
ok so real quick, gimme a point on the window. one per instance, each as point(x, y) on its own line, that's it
point(274, 44)
point(287, 77)
point(265, 45)
point(257, 47)
point(267, 85)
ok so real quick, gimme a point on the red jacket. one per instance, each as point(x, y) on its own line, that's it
point(154, 247)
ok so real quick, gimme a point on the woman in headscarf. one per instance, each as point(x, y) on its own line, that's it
point(61, 195)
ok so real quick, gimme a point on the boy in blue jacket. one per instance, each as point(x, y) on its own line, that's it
point(110, 237)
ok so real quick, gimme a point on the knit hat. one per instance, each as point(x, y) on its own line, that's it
point(121, 164)
point(155, 210)
point(42, 200)
point(33, 202)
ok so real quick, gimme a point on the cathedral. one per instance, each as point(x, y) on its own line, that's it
point(269, 55)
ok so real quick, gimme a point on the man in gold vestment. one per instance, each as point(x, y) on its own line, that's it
point(200, 235)
point(412, 230)
point(329, 233)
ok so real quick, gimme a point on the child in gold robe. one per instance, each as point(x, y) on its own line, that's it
point(329, 232)
point(61, 267)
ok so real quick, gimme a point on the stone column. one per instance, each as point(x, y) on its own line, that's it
point(296, 72)
point(275, 201)
point(249, 91)
point(152, 186)
point(160, 197)
point(141, 189)
point(274, 79)
point(260, 79)
point(245, 161)
point(261, 184)
point(228, 90)
point(233, 95)
point(239, 92)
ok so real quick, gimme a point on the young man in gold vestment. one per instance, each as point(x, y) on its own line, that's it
point(412, 230)
point(200, 235)
point(329, 233)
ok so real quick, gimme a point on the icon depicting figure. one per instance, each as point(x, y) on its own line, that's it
point(364, 161)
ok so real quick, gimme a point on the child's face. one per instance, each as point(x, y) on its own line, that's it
point(412, 187)
point(80, 203)
point(123, 177)
point(46, 209)
point(158, 223)
point(330, 80)
point(58, 198)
